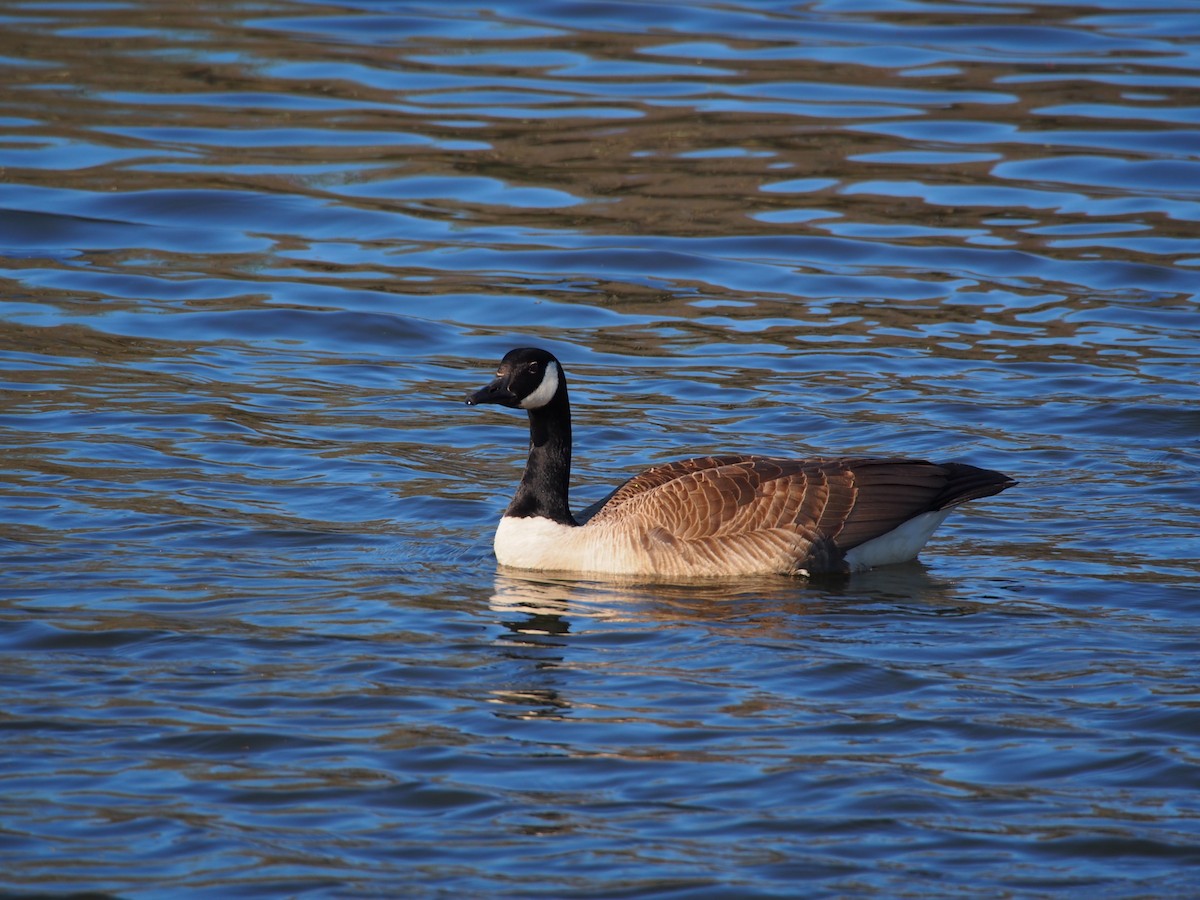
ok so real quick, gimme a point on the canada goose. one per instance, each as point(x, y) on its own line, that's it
point(715, 515)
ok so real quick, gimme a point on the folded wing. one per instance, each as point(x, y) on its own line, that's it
point(810, 510)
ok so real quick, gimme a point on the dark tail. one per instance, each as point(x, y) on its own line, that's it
point(965, 483)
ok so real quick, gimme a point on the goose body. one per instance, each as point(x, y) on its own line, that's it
point(715, 516)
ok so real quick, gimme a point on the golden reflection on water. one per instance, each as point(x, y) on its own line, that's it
point(194, 101)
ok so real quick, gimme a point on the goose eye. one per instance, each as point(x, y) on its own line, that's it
point(533, 367)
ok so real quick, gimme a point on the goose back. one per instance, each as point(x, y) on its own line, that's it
point(745, 514)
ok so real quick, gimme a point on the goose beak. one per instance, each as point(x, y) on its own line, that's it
point(496, 392)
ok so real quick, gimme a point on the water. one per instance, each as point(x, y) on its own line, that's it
point(255, 254)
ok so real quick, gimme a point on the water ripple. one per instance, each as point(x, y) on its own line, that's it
point(254, 639)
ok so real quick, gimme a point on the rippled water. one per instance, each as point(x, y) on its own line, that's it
point(254, 254)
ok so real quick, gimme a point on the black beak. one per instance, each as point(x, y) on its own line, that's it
point(496, 392)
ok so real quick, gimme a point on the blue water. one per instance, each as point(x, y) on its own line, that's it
point(253, 641)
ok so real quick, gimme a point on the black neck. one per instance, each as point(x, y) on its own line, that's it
point(545, 485)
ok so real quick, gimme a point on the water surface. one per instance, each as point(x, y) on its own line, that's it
point(255, 254)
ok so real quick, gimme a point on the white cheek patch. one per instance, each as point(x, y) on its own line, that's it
point(545, 391)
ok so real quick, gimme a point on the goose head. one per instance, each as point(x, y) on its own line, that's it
point(528, 378)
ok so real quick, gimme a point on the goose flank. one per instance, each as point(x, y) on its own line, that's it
point(715, 516)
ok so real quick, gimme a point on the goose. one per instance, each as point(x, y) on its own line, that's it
point(714, 516)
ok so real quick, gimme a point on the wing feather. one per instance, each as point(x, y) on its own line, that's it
point(808, 510)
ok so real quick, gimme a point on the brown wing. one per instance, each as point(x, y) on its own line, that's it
point(817, 508)
point(654, 477)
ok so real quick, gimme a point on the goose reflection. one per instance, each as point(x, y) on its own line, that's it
point(547, 606)
point(641, 629)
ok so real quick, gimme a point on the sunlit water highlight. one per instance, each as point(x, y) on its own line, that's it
point(254, 255)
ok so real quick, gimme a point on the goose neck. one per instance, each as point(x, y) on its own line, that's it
point(545, 486)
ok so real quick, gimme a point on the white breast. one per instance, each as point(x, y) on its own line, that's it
point(536, 542)
point(613, 548)
point(523, 542)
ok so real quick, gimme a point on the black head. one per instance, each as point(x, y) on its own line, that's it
point(528, 378)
